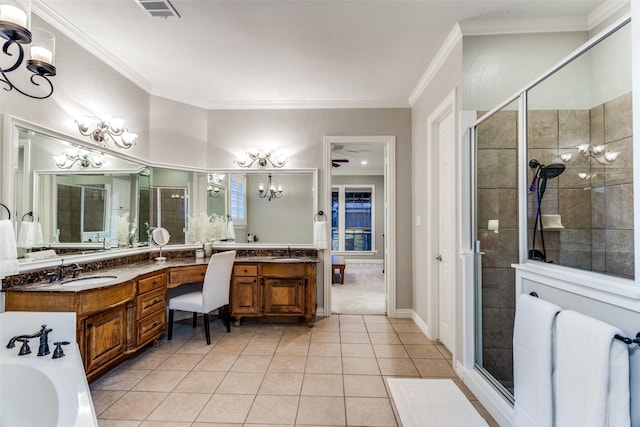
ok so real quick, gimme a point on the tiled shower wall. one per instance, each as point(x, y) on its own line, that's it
point(597, 213)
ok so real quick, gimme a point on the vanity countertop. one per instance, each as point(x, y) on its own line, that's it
point(127, 272)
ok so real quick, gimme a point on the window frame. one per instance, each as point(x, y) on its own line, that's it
point(342, 189)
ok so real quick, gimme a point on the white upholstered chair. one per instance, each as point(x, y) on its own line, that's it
point(214, 294)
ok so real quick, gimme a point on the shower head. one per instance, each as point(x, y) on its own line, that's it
point(551, 171)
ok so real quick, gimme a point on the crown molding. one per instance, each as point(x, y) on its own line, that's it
point(555, 24)
point(300, 105)
point(58, 22)
point(454, 37)
point(605, 11)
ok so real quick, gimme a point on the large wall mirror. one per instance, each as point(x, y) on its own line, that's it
point(72, 197)
point(580, 158)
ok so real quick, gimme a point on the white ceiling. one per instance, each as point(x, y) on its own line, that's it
point(294, 54)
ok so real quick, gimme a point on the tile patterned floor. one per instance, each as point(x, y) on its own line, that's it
point(272, 375)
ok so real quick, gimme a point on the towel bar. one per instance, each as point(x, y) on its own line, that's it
point(30, 213)
point(628, 340)
point(320, 214)
point(8, 211)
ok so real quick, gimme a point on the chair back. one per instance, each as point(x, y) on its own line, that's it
point(217, 280)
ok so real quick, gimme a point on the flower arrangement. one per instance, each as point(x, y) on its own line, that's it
point(204, 228)
point(122, 228)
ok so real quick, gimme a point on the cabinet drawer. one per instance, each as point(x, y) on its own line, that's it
point(245, 270)
point(151, 302)
point(151, 283)
point(151, 327)
point(283, 269)
point(187, 275)
point(99, 299)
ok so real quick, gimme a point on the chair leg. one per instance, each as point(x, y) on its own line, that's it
point(206, 327)
point(170, 328)
point(195, 319)
point(226, 317)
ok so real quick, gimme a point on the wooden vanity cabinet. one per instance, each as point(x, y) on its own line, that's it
point(245, 293)
point(151, 308)
point(105, 339)
point(274, 289)
point(191, 274)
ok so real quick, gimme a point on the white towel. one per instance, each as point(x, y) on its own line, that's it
point(25, 235)
point(231, 231)
point(533, 361)
point(320, 234)
point(592, 373)
point(8, 251)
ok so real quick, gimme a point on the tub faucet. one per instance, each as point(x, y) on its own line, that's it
point(43, 350)
point(12, 341)
point(61, 274)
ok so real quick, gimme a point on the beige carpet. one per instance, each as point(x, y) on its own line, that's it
point(432, 403)
point(362, 291)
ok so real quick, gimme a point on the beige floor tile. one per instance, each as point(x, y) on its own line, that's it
point(197, 346)
point(357, 350)
point(160, 380)
point(226, 408)
point(260, 348)
point(324, 365)
point(246, 363)
point(273, 410)
point(364, 386)
point(423, 351)
point(181, 362)
point(280, 383)
point(299, 334)
point(183, 407)
point(434, 368)
point(396, 320)
point(200, 382)
point(485, 414)
point(290, 364)
point(381, 328)
point(351, 318)
point(354, 337)
point(360, 366)
point(240, 383)
point(216, 362)
point(292, 349)
point(147, 360)
point(134, 405)
point(327, 324)
point(369, 411)
point(270, 334)
point(413, 339)
point(384, 338)
point(120, 379)
point(164, 424)
point(398, 367)
point(330, 411)
point(444, 351)
point(324, 349)
point(322, 385)
point(390, 351)
point(118, 423)
point(375, 319)
point(406, 328)
point(169, 346)
point(197, 424)
point(352, 327)
point(228, 347)
point(102, 399)
point(325, 336)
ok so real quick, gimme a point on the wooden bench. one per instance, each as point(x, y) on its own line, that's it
point(337, 263)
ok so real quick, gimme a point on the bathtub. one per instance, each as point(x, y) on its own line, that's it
point(41, 391)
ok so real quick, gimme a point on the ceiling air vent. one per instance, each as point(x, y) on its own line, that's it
point(159, 8)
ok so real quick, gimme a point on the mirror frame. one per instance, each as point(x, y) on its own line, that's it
point(8, 195)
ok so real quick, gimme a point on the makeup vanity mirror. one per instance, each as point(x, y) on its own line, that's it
point(81, 199)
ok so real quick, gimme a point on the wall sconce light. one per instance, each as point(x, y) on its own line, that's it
point(15, 22)
point(596, 152)
point(493, 225)
point(106, 128)
point(84, 158)
point(213, 191)
point(586, 176)
point(270, 192)
point(213, 182)
point(252, 155)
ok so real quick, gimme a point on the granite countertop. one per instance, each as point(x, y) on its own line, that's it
point(124, 273)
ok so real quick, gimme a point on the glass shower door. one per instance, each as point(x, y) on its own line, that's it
point(496, 237)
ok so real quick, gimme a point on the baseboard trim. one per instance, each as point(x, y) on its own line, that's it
point(491, 399)
point(404, 313)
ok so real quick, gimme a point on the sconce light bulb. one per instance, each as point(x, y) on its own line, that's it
point(611, 156)
point(598, 150)
point(583, 148)
point(117, 125)
point(566, 157)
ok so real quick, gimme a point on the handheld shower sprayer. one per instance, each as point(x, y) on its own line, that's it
point(534, 164)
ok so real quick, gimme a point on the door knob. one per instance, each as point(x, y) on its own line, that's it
point(439, 257)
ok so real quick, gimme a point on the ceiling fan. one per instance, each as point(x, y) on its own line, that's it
point(336, 162)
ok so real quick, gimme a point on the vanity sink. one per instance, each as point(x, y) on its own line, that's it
point(97, 280)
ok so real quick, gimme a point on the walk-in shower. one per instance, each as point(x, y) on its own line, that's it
point(539, 185)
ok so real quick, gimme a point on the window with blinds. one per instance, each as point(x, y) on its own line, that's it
point(352, 219)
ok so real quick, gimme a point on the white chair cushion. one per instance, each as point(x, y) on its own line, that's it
point(187, 302)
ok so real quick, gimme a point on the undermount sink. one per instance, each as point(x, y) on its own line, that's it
point(286, 259)
point(96, 280)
